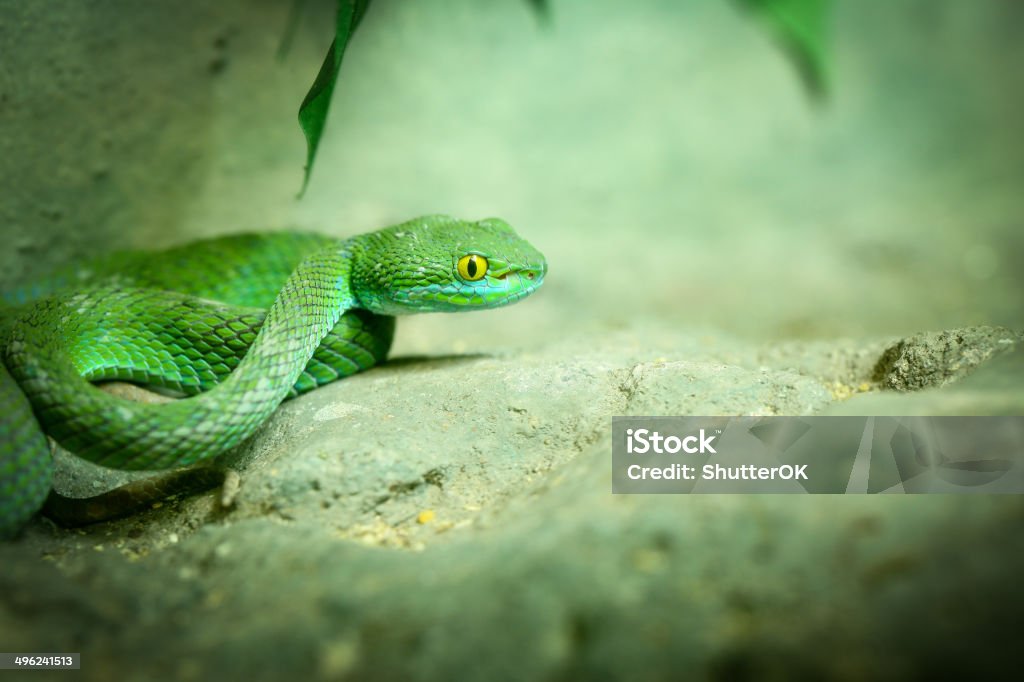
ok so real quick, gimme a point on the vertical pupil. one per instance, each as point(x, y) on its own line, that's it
point(471, 266)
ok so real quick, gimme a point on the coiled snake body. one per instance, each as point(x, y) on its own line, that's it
point(237, 323)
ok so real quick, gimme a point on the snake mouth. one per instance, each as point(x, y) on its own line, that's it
point(521, 283)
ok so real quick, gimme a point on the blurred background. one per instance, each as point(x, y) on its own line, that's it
point(663, 154)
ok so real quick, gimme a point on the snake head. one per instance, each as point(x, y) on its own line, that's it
point(440, 264)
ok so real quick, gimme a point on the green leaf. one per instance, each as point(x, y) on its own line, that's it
point(313, 110)
point(801, 26)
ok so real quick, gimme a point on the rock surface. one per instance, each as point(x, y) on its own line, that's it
point(939, 358)
point(391, 525)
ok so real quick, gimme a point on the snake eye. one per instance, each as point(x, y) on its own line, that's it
point(472, 267)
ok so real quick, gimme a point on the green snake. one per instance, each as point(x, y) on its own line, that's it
point(237, 324)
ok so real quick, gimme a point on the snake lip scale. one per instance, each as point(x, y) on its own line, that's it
point(237, 324)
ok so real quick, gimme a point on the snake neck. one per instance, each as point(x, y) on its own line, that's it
point(306, 309)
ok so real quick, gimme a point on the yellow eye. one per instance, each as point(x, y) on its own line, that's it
point(472, 267)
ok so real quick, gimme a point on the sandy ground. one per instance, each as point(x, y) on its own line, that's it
point(717, 245)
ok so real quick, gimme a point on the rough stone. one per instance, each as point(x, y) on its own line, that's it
point(938, 358)
point(415, 522)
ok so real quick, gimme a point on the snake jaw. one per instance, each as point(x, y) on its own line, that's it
point(513, 283)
